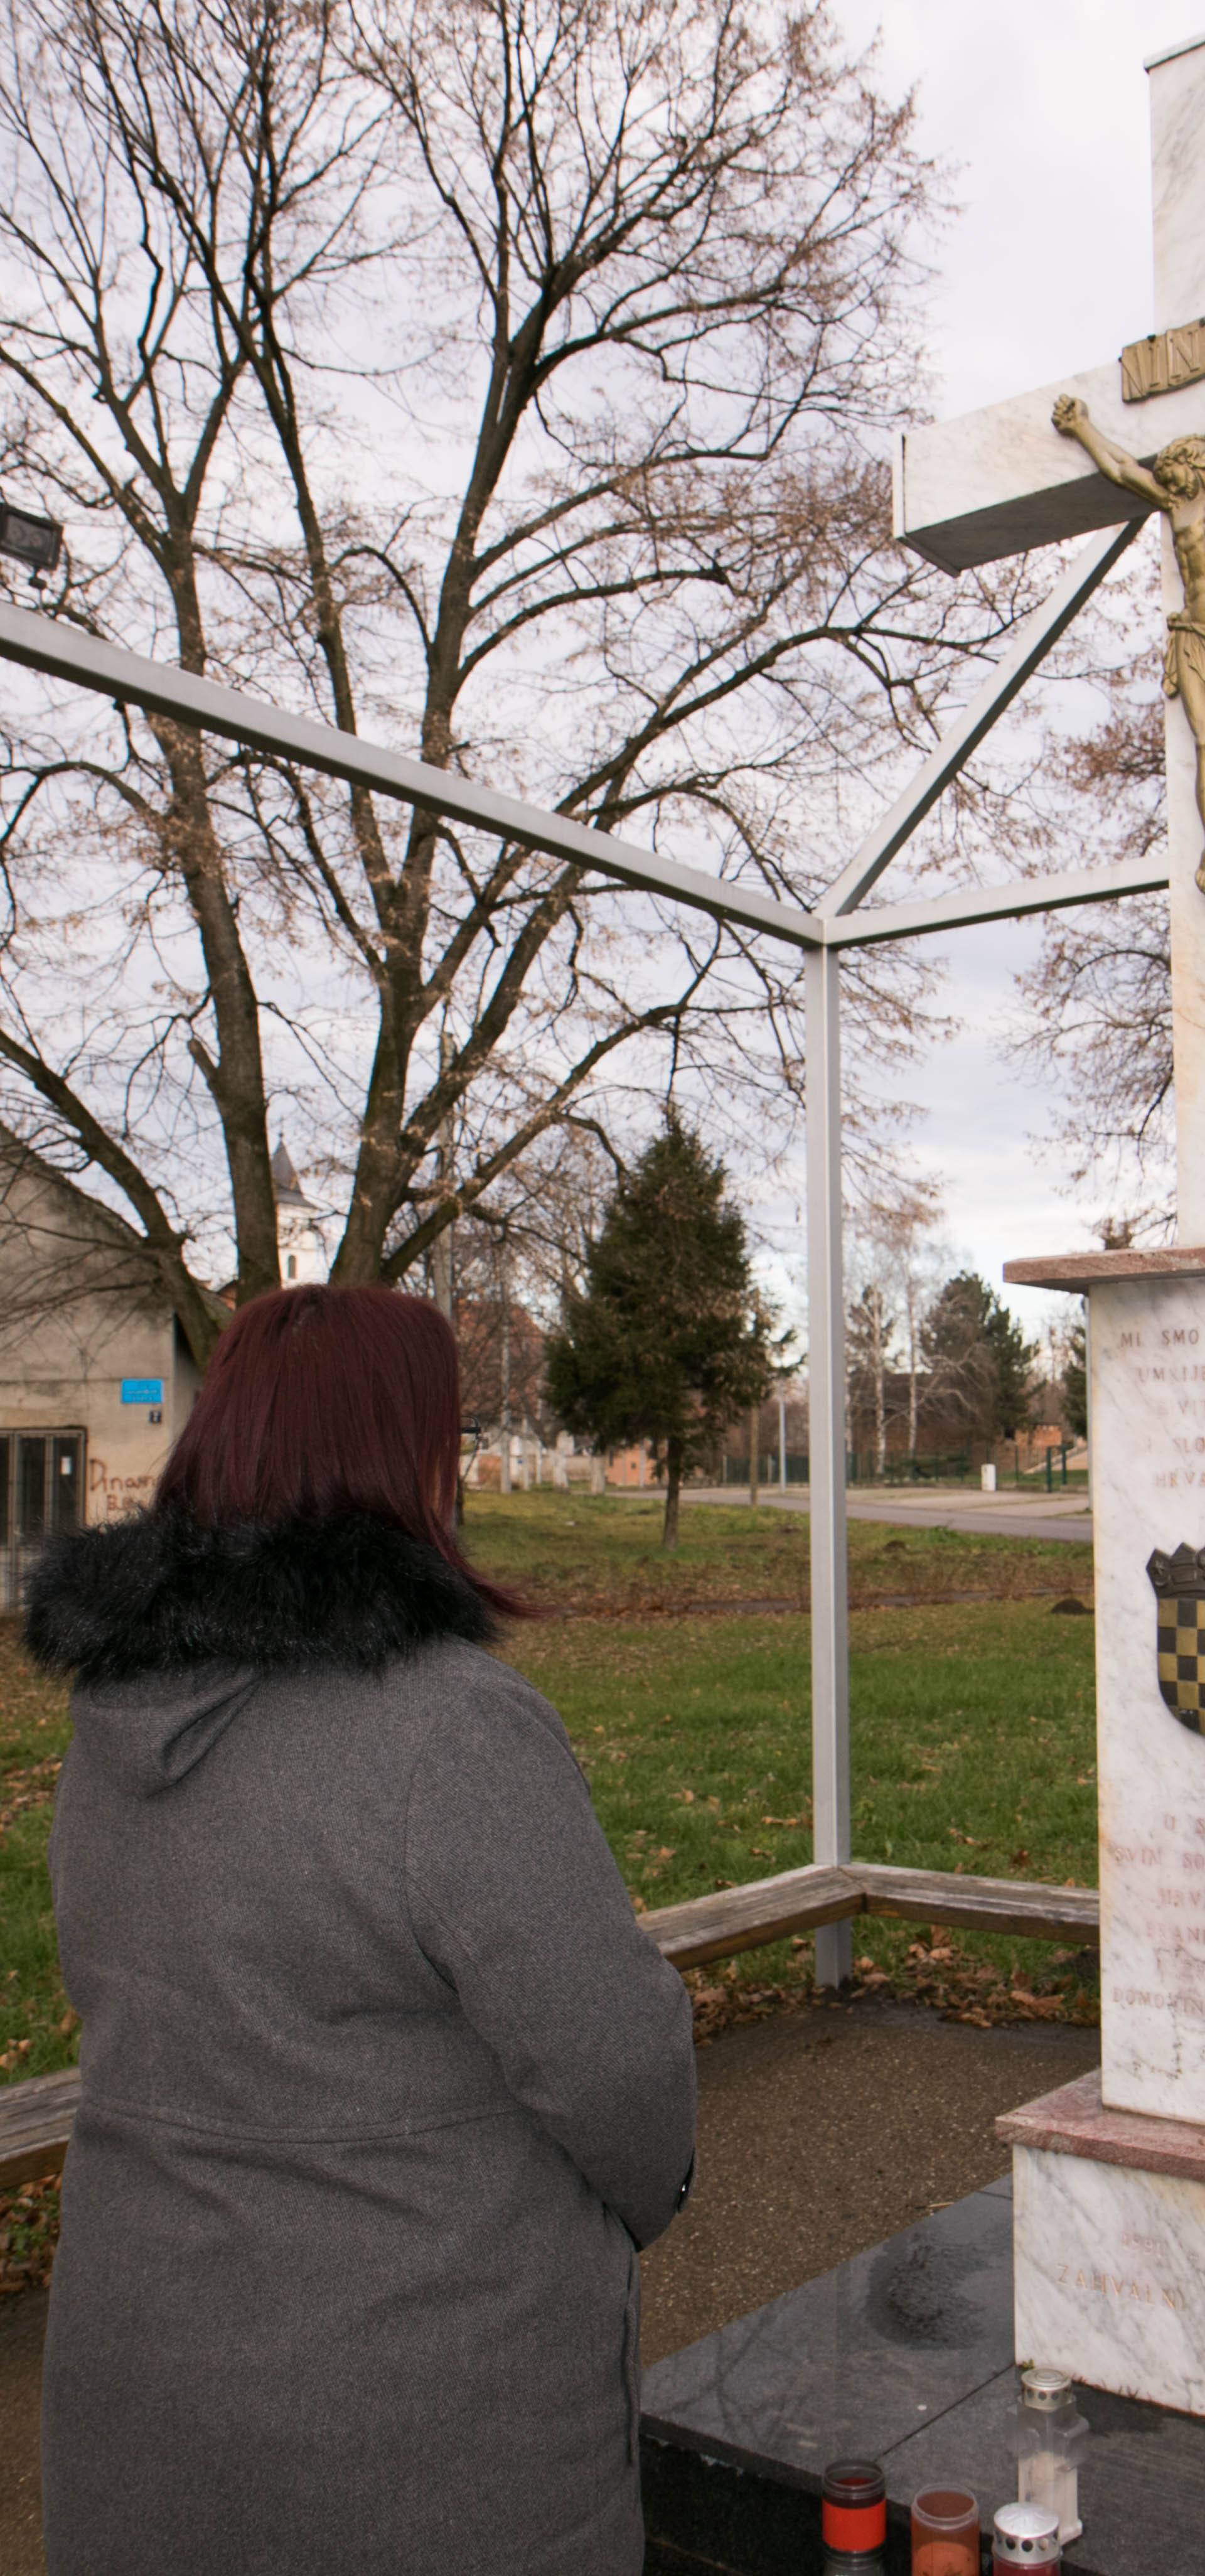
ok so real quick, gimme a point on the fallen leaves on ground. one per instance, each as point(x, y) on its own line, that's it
point(29, 2233)
point(32, 1787)
point(962, 1988)
point(934, 1972)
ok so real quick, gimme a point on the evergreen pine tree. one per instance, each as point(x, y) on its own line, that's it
point(1014, 1358)
point(667, 1340)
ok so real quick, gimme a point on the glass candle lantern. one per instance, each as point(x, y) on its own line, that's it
point(1026, 2535)
point(854, 2518)
point(945, 2533)
point(1049, 2437)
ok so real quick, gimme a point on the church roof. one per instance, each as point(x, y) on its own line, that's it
point(289, 1192)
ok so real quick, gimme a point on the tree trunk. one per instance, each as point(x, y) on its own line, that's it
point(754, 1457)
point(673, 1488)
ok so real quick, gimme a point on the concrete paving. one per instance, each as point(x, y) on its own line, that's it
point(1066, 1515)
point(825, 2129)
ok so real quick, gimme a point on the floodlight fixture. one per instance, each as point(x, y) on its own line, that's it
point(30, 540)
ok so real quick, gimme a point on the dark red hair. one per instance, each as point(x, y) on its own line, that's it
point(325, 1400)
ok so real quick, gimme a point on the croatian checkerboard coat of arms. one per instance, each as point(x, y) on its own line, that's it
point(1179, 1583)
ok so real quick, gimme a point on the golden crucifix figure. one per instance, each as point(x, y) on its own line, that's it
point(1175, 484)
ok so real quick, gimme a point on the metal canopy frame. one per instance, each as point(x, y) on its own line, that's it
point(38, 643)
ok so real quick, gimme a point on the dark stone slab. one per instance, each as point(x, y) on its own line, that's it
point(854, 2360)
point(702, 2514)
point(904, 2354)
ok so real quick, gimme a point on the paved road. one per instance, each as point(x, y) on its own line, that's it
point(1002, 1515)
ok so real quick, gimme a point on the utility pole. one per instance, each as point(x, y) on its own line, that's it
point(504, 1434)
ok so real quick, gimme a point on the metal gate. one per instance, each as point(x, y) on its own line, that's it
point(41, 1492)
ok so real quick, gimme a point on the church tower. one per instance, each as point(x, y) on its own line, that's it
point(302, 1250)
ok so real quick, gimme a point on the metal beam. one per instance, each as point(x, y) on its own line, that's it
point(41, 644)
point(826, 1447)
point(995, 903)
point(1030, 644)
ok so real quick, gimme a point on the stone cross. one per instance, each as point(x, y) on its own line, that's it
point(973, 490)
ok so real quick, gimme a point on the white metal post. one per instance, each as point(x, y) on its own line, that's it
point(826, 1381)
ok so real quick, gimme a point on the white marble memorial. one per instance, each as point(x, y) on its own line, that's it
point(1110, 2194)
point(1109, 2191)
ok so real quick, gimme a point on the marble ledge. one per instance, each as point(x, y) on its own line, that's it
point(1075, 2121)
point(1085, 1270)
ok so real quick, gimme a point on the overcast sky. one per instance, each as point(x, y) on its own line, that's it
point(1043, 105)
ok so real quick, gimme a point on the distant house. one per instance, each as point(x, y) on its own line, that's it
point(96, 1376)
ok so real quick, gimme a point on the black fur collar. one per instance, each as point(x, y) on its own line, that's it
point(158, 1593)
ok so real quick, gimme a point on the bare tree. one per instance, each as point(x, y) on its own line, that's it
point(513, 377)
point(515, 1257)
point(1085, 782)
point(895, 1261)
point(870, 1335)
point(1099, 998)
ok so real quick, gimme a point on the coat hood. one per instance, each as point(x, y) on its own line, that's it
point(148, 1732)
point(158, 1594)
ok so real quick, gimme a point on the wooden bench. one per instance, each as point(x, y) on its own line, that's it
point(767, 1909)
point(36, 2116)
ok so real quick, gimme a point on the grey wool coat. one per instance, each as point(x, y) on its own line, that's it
point(382, 2084)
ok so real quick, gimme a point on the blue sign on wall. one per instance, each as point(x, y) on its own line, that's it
point(142, 1390)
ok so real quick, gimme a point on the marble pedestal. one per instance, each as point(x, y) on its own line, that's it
point(1109, 2245)
point(1109, 2185)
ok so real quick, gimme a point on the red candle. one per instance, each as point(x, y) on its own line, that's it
point(854, 2513)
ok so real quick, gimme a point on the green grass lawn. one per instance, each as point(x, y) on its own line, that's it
point(38, 2030)
point(973, 1744)
point(972, 1733)
point(578, 1551)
